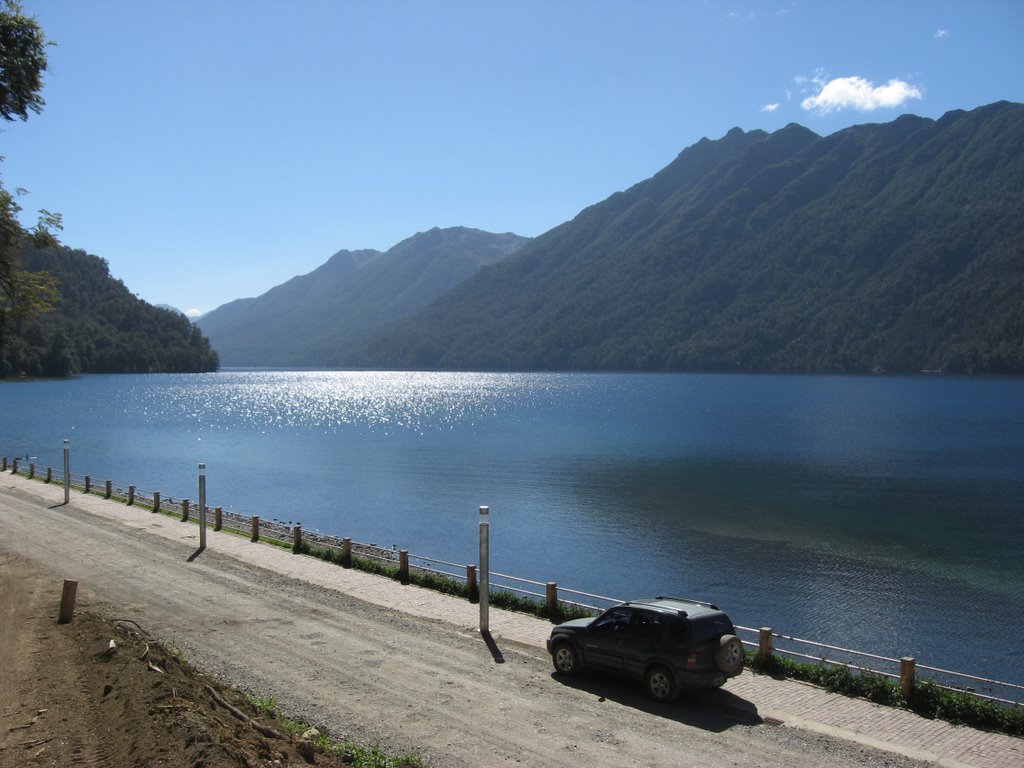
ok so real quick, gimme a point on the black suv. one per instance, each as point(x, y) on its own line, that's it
point(669, 643)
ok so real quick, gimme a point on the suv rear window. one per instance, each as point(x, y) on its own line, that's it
point(709, 627)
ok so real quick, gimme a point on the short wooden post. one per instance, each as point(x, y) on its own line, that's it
point(14, 467)
point(49, 474)
point(346, 552)
point(88, 484)
point(131, 495)
point(184, 510)
point(764, 643)
point(472, 590)
point(551, 597)
point(218, 519)
point(908, 671)
point(156, 501)
point(5, 464)
point(67, 601)
point(108, 489)
point(403, 566)
point(255, 528)
point(31, 470)
point(296, 539)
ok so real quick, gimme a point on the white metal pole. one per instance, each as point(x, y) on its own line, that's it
point(202, 506)
point(485, 570)
point(67, 474)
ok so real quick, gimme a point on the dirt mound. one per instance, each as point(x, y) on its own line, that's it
point(100, 692)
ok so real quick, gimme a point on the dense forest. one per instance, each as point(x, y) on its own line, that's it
point(894, 247)
point(99, 326)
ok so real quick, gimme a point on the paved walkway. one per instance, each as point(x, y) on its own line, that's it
point(787, 702)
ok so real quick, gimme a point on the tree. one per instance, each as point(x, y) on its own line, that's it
point(22, 63)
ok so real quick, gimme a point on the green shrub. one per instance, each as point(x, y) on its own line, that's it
point(929, 700)
point(439, 583)
point(963, 708)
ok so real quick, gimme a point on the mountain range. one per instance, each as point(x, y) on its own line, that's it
point(887, 247)
point(323, 318)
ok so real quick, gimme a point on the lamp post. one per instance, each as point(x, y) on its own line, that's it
point(485, 570)
point(67, 474)
point(202, 506)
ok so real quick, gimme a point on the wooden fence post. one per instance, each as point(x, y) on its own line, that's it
point(764, 643)
point(297, 539)
point(346, 552)
point(49, 474)
point(131, 495)
point(5, 464)
point(88, 484)
point(156, 501)
point(108, 489)
point(31, 470)
point(67, 601)
point(403, 566)
point(218, 519)
point(472, 590)
point(14, 467)
point(908, 670)
point(184, 510)
point(551, 597)
point(255, 528)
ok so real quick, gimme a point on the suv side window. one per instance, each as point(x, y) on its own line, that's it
point(678, 630)
point(615, 619)
point(646, 624)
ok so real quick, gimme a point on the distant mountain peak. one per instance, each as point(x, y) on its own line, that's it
point(319, 319)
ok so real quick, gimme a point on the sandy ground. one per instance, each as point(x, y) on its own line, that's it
point(70, 698)
point(359, 671)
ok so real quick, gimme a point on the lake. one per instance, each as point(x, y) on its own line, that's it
point(878, 513)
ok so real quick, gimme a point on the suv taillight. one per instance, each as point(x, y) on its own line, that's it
point(691, 661)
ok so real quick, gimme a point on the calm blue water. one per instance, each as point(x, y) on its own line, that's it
point(883, 514)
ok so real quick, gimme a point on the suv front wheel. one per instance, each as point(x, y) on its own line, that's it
point(565, 659)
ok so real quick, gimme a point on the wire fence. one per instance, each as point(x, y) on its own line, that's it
point(764, 639)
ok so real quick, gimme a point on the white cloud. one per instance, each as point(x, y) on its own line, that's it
point(941, 34)
point(193, 312)
point(858, 93)
point(769, 107)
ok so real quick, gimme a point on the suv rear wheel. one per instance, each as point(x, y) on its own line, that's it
point(660, 684)
point(729, 654)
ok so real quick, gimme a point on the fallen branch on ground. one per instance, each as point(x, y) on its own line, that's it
point(270, 733)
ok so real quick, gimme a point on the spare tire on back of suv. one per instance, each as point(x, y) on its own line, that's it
point(729, 654)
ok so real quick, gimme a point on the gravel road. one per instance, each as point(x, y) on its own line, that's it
point(382, 677)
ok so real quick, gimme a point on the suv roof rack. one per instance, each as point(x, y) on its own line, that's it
point(712, 606)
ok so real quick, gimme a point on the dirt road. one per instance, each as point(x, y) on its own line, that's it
point(372, 674)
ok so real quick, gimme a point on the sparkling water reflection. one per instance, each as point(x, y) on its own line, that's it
point(878, 513)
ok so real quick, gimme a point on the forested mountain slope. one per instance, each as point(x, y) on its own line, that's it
point(890, 247)
point(99, 326)
point(260, 331)
point(321, 318)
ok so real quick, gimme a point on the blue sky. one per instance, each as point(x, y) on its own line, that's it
point(210, 150)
